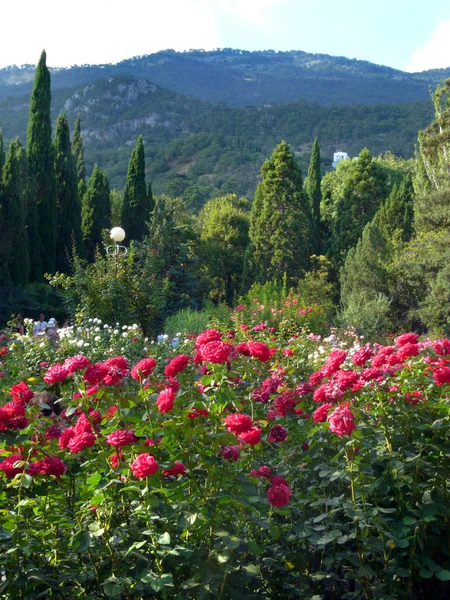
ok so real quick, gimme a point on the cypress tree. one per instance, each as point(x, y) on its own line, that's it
point(136, 206)
point(42, 220)
point(14, 212)
point(95, 211)
point(395, 217)
point(315, 194)
point(2, 152)
point(78, 152)
point(151, 200)
point(69, 206)
point(280, 221)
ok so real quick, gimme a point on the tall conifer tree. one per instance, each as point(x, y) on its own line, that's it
point(280, 222)
point(2, 152)
point(41, 175)
point(314, 194)
point(14, 212)
point(95, 211)
point(78, 152)
point(69, 206)
point(136, 206)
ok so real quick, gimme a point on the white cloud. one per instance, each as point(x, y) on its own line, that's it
point(435, 53)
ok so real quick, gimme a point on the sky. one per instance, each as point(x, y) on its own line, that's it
point(411, 35)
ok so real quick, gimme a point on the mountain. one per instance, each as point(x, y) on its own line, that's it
point(241, 78)
point(199, 148)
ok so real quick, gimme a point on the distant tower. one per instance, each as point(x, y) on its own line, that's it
point(338, 157)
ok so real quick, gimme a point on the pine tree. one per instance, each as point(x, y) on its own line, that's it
point(136, 206)
point(95, 211)
point(280, 221)
point(151, 200)
point(78, 152)
point(14, 208)
point(68, 202)
point(42, 220)
point(313, 190)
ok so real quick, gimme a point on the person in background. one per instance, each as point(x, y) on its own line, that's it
point(52, 329)
point(18, 325)
point(40, 326)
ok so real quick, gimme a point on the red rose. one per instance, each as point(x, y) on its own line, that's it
point(442, 376)
point(21, 393)
point(117, 369)
point(259, 350)
point(65, 437)
point(12, 416)
point(279, 495)
point(277, 434)
point(230, 453)
point(55, 374)
point(342, 420)
point(143, 368)
point(177, 365)
point(53, 432)
point(165, 400)
point(121, 437)
point(252, 436)
point(216, 352)
point(83, 425)
point(209, 335)
point(197, 412)
point(362, 356)
point(76, 363)
point(177, 469)
point(381, 358)
point(243, 349)
point(7, 466)
point(95, 373)
point(320, 414)
point(406, 338)
point(442, 347)
point(261, 472)
point(52, 465)
point(79, 442)
point(144, 465)
point(238, 423)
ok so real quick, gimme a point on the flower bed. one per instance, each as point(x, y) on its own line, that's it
point(235, 466)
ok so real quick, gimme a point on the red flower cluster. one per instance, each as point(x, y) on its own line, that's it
point(12, 416)
point(277, 434)
point(56, 374)
point(279, 495)
point(143, 369)
point(76, 363)
point(342, 420)
point(238, 423)
point(21, 393)
point(216, 352)
point(121, 437)
point(165, 400)
point(177, 469)
point(209, 335)
point(259, 350)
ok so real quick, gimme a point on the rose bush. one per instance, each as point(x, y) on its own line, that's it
point(247, 464)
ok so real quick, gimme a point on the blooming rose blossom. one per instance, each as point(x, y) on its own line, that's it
point(83, 425)
point(230, 453)
point(334, 361)
point(277, 434)
point(65, 437)
point(177, 469)
point(121, 437)
point(361, 356)
point(243, 349)
point(143, 368)
point(117, 369)
point(262, 472)
point(277, 480)
point(342, 420)
point(177, 365)
point(197, 412)
point(259, 350)
point(53, 432)
point(12, 416)
point(406, 338)
point(144, 465)
point(81, 441)
point(52, 465)
point(252, 436)
point(442, 376)
point(407, 350)
point(381, 358)
point(320, 414)
point(216, 352)
point(76, 363)
point(21, 393)
point(165, 400)
point(279, 495)
point(442, 347)
point(238, 423)
point(209, 335)
point(55, 374)
point(95, 373)
point(7, 466)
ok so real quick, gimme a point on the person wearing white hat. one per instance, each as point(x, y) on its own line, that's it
point(52, 329)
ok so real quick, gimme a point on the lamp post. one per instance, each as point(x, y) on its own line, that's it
point(117, 234)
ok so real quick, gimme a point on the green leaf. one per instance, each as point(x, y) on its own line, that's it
point(425, 573)
point(112, 589)
point(81, 542)
point(164, 539)
point(329, 537)
point(409, 520)
point(443, 575)
point(27, 480)
point(70, 410)
point(275, 532)
point(252, 570)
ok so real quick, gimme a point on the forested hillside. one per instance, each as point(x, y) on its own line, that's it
point(242, 78)
point(211, 148)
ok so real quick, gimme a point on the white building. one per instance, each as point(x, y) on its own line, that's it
point(338, 157)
